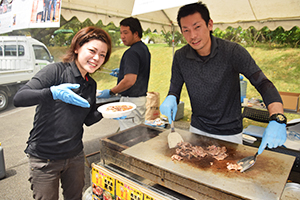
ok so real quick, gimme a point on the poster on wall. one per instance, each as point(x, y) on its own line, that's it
point(21, 14)
point(5, 16)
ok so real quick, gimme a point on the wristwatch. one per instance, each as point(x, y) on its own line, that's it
point(280, 118)
point(111, 93)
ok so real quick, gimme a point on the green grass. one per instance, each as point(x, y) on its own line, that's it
point(281, 66)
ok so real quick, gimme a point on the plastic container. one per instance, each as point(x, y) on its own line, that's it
point(243, 86)
point(2, 164)
point(291, 191)
point(180, 111)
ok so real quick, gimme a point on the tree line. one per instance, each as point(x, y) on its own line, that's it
point(249, 37)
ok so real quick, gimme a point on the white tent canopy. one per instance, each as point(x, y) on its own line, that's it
point(161, 14)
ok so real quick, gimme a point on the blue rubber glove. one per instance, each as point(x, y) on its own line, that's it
point(274, 136)
point(169, 108)
point(115, 72)
point(63, 92)
point(118, 118)
point(104, 94)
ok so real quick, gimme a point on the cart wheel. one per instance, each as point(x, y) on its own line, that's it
point(3, 100)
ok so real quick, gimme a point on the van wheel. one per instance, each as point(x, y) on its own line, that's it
point(3, 100)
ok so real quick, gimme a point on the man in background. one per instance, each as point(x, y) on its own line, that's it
point(133, 74)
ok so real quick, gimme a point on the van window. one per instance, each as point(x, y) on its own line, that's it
point(1, 51)
point(11, 50)
point(41, 53)
point(21, 51)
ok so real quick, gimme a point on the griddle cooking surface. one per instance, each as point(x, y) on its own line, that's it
point(265, 180)
point(134, 135)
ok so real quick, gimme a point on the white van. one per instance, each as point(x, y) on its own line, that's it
point(21, 57)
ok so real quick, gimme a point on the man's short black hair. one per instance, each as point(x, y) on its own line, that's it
point(190, 9)
point(134, 25)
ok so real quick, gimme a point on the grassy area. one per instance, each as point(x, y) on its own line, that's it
point(281, 66)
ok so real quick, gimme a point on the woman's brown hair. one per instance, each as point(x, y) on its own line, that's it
point(85, 35)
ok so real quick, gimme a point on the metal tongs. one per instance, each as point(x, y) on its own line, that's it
point(247, 162)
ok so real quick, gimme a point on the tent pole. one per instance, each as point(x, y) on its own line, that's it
point(172, 29)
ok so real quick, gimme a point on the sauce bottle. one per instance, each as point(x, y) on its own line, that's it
point(243, 85)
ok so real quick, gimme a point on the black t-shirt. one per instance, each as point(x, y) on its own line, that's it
point(58, 126)
point(136, 60)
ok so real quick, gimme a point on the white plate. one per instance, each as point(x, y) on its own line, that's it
point(249, 138)
point(110, 114)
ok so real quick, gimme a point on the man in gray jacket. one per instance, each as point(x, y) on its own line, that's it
point(210, 68)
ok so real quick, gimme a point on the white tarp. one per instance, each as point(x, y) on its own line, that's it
point(146, 6)
point(161, 14)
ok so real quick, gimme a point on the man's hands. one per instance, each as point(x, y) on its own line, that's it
point(63, 92)
point(104, 94)
point(115, 72)
point(169, 108)
point(274, 136)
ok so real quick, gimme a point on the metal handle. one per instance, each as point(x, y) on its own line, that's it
point(172, 124)
point(172, 127)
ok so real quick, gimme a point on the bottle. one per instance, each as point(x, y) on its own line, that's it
point(2, 164)
point(243, 87)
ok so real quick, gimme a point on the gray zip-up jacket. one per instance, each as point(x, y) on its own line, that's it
point(213, 85)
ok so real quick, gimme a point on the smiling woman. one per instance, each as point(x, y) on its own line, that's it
point(65, 95)
point(91, 56)
point(90, 48)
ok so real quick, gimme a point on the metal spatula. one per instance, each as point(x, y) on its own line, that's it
point(247, 162)
point(174, 138)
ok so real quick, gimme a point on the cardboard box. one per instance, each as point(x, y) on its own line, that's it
point(180, 111)
point(290, 100)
